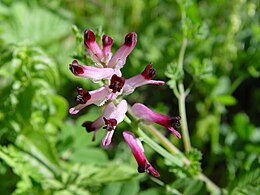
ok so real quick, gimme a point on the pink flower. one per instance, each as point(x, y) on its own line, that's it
point(118, 59)
point(85, 98)
point(93, 73)
point(141, 79)
point(110, 118)
point(116, 117)
point(107, 42)
point(99, 122)
point(138, 152)
point(144, 113)
point(92, 47)
point(103, 57)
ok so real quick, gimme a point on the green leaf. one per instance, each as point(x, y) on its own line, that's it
point(88, 155)
point(33, 25)
point(242, 126)
point(151, 191)
point(36, 143)
point(193, 188)
point(113, 188)
point(227, 100)
point(130, 188)
point(249, 183)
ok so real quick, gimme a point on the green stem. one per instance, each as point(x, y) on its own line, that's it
point(182, 98)
point(184, 124)
point(182, 53)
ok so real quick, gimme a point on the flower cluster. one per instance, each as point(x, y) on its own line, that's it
point(107, 68)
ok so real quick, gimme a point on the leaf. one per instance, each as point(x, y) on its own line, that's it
point(194, 187)
point(36, 143)
point(227, 100)
point(113, 188)
point(249, 183)
point(106, 173)
point(88, 155)
point(242, 126)
point(130, 188)
point(151, 191)
point(32, 25)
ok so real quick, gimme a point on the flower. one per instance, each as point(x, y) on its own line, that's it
point(141, 79)
point(107, 42)
point(92, 47)
point(99, 122)
point(116, 117)
point(110, 118)
point(117, 83)
point(93, 73)
point(85, 98)
point(103, 57)
point(118, 59)
point(138, 152)
point(144, 113)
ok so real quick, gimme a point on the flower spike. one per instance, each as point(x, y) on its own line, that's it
point(141, 79)
point(144, 113)
point(108, 71)
point(118, 59)
point(138, 152)
point(93, 73)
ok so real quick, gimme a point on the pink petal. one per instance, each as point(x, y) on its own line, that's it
point(99, 122)
point(94, 73)
point(144, 113)
point(141, 79)
point(107, 139)
point(138, 152)
point(107, 42)
point(120, 111)
point(116, 117)
point(92, 47)
point(118, 59)
point(137, 81)
point(98, 97)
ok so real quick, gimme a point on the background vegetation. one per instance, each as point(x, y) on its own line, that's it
point(45, 151)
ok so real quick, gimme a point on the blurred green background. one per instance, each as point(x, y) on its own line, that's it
point(45, 151)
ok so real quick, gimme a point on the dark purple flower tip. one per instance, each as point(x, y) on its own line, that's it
point(110, 124)
point(147, 168)
point(117, 83)
point(89, 36)
point(88, 126)
point(175, 121)
point(83, 96)
point(75, 68)
point(107, 41)
point(148, 72)
point(131, 39)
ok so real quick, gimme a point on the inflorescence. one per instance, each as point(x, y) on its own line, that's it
point(107, 68)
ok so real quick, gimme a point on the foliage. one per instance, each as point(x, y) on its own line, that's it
point(45, 151)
